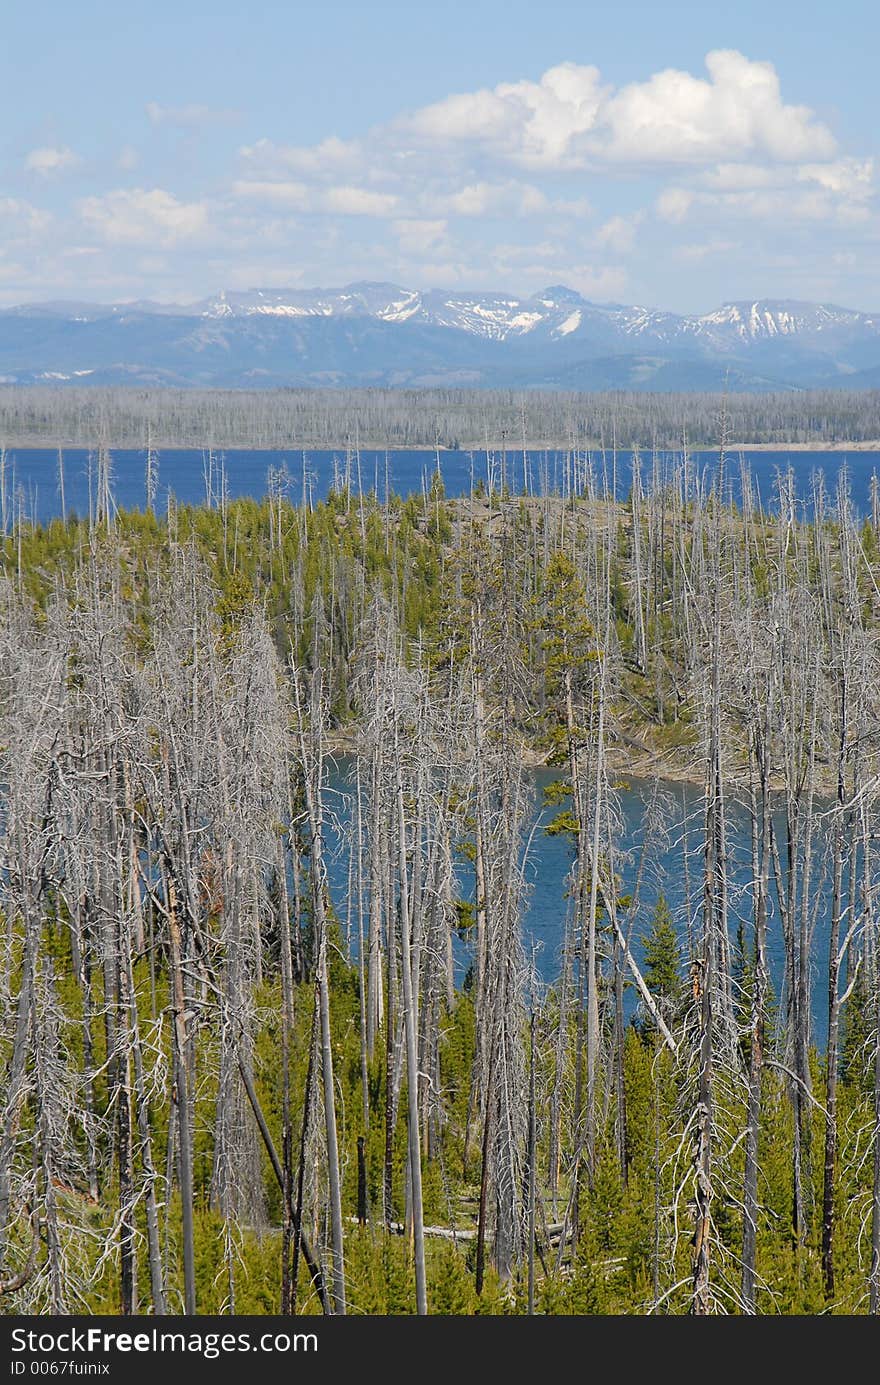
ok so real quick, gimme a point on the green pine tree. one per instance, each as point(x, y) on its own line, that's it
point(856, 1060)
point(663, 960)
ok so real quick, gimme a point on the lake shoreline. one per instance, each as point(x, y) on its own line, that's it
point(431, 449)
point(871, 445)
point(622, 761)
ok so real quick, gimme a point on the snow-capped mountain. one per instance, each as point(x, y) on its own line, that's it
point(381, 333)
point(556, 312)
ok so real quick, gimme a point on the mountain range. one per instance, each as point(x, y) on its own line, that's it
point(383, 335)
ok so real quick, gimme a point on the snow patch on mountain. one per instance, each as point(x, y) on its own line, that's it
point(402, 309)
point(571, 323)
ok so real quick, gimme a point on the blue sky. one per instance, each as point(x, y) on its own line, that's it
point(668, 154)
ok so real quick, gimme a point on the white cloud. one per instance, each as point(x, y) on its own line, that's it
point(50, 159)
point(475, 200)
point(533, 123)
point(737, 176)
point(674, 204)
point(836, 191)
point(846, 177)
point(128, 159)
point(352, 201)
point(342, 201)
point(677, 118)
point(21, 217)
point(284, 194)
point(570, 119)
point(786, 206)
point(832, 193)
point(618, 234)
point(142, 216)
point(329, 156)
point(510, 198)
point(189, 117)
point(419, 237)
point(852, 178)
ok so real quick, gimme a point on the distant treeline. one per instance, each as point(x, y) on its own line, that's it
point(39, 415)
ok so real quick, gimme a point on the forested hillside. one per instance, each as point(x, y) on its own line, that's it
point(225, 1089)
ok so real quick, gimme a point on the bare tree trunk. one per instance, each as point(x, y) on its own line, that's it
point(761, 849)
point(412, 1067)
point(182, 1099)
point(832, 1049)
point(532, 1169)
point(312, 785)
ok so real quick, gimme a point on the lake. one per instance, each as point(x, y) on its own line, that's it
point(33, 487)
point(660, 836)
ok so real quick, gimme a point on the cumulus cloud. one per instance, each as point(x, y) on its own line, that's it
point(144, 216)
point(50, 159)
point(570, 118)
point(675, 117)
point(537, 124)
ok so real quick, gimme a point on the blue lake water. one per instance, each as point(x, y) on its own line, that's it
point(33, 488)
point(659, 838)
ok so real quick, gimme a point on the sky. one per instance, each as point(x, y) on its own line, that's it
point(668, 155)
